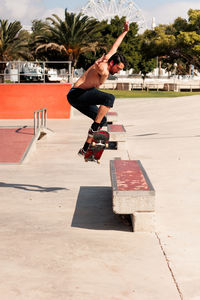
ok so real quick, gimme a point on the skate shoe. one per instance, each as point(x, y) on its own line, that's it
point(91, 132)
point(81, 152)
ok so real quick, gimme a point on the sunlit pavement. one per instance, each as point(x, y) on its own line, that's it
point(59, 236)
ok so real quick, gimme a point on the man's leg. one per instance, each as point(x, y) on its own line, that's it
point(87, 103)
point(102, 111)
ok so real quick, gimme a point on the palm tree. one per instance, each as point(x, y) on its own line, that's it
point(13, 43)
point(70, 38)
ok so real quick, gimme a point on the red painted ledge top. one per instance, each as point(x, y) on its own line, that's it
point(129, 176)
point(112, 113)
point(116, 128)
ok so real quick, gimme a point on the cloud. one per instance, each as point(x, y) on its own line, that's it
point(167, 13)
point(26, 11)
point(58, 11)
point(23, 10)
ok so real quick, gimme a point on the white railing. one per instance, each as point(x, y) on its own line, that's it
point(178, 85)
point(35, 71)
point(40, 120)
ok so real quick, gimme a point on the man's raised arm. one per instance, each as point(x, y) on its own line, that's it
point(115, 46)
point(118, 41)
point(101, 63)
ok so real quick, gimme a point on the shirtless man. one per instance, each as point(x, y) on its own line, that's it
point(85, 96)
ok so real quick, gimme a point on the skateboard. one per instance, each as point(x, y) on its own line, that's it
point(97, 146)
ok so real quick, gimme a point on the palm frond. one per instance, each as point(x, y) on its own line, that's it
point(50, 47)
point(71, 36)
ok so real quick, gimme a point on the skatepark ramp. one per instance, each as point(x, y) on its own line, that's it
point(17, 142)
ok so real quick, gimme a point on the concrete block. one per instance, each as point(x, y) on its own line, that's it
point(121, 145)
point(131, 187)
point(112, 117)
point(124, 86)
point(117, 133)
point(143, 221)
point(127, 202)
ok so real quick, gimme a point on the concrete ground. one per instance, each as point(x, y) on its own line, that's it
point(59, 236)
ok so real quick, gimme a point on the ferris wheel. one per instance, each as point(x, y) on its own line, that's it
point(108, 9)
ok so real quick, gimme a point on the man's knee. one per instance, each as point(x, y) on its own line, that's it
point(109, 100)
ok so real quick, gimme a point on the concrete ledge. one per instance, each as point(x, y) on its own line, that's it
point(126, 202)
point(117, 132)
point(143, 221)
point(117, 135)
point(133, 193)
point(112, 117)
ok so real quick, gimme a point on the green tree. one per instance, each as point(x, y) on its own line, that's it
point(146, 65)
point(179, 25)
point(87, 58)
point(188, 47)
point(129, 46)
point(194, 20)
point(13, 43)
point(107, 36)
point(158, 42)
point(178, 42)
point(37, 28)
point(66, 39)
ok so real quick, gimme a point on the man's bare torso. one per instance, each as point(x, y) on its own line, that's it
point(100, 70)
point(92, 78)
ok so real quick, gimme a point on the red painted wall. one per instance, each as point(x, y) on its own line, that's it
point(19, 101)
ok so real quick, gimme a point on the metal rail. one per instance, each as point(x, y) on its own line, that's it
point(40, 119)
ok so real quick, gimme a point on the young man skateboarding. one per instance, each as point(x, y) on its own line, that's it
point(85, 96)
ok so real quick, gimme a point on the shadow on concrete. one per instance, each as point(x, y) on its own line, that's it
point(164, 137)
point(94, 210)
point(21, 131)
point(147, 134)
point(31, 187)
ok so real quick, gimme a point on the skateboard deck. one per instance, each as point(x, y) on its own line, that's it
point(97, 146)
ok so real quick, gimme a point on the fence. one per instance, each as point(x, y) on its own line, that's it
point(35, 71)
point(178, 85)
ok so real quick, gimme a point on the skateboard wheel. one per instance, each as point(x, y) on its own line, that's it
point(107, 145)
point(93, 144)
point(98, 161)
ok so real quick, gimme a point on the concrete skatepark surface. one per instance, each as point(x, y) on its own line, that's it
point(59, 236)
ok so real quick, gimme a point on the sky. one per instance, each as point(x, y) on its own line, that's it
point(164, 11)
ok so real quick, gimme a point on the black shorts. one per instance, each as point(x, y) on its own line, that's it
point(86, 101)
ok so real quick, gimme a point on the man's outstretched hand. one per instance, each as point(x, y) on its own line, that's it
point(126, 26)
point(113, 50)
